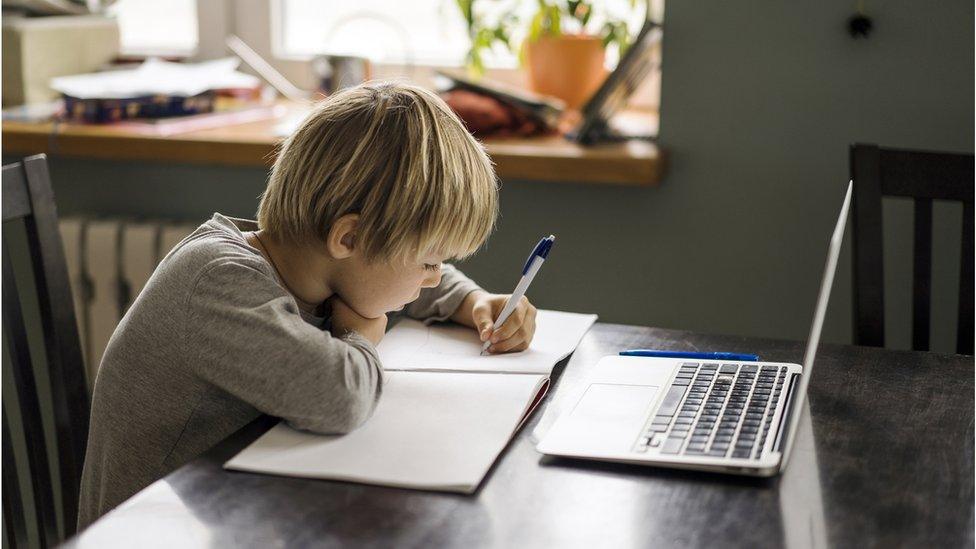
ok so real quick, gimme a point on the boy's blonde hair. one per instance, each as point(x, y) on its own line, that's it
point(400, 158)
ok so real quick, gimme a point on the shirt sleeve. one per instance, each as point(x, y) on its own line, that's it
point(439, 303)
point(244, 334)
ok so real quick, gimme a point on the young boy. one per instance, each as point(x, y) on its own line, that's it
point(379, 186)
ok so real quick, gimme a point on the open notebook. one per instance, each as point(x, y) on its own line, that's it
point(444, 416)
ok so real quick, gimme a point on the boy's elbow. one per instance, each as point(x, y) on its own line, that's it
point(349, 399)
point(342, 413)
point(362, 384)
point(337, 421)
point(353, 413)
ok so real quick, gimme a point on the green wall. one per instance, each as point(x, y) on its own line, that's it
point(759, 103)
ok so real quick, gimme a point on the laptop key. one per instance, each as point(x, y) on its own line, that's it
point(671, 401)
point(729, 369)
point(672, 446)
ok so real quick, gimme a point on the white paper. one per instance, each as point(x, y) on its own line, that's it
point(434, 430)
point(156, 77)
point(411, 345)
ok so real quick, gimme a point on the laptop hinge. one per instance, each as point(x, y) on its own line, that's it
point(787, 416)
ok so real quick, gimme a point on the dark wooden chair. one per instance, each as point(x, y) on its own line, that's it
point(923, 176)
point(27, 196)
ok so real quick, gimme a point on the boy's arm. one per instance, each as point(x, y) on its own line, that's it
point(439, 303)
point(244, 334)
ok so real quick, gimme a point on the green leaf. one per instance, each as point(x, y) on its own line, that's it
point(535, 26)
point(467, 10)
point(555, 26)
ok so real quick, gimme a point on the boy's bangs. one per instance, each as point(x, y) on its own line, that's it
point(454, 240)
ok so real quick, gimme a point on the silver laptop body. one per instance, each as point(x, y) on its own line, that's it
point(731, 417)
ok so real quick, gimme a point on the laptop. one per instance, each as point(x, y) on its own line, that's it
point(730, 417)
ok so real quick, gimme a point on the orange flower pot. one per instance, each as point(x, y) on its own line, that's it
point(569, 67)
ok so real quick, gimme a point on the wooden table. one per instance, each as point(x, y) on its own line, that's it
point(884, 458)
point(253, 144)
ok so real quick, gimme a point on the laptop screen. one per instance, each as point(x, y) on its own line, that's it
point(826, 283)
point(828, 280)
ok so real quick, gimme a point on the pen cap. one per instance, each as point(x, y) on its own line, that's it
point(541, 250)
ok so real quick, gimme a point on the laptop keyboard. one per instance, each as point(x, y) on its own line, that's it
point(716, 410)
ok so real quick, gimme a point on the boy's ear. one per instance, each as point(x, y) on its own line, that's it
point(341, 242)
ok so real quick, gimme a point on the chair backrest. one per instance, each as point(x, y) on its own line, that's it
point(923, 176)
point(27, 195)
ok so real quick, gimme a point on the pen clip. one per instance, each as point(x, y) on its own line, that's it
point(541, 250)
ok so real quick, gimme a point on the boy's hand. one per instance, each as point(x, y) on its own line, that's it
point(345, 319)
point(479, 310)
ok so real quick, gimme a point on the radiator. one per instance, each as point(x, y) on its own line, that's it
point(109, 262)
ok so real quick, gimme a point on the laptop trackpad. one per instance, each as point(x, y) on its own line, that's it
point(608, 417)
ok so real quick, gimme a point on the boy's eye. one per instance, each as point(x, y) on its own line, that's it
point(431, 266)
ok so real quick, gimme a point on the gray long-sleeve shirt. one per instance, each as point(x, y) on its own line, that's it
point(212, 342)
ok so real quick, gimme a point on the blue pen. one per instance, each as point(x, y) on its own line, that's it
point(690, 354)
point(532, 266)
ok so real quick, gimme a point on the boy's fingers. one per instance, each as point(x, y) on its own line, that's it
point(517, 342)
point(530, 325)
point(481, 316)
point(511, 325)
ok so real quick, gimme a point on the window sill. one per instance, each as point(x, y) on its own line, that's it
point(637, 163)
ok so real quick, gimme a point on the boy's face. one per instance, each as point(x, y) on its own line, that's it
point(373, 289)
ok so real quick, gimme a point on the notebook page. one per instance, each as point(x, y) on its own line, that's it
point(433, 430)
point(411, 345)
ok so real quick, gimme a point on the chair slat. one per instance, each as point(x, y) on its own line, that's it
point(16, 202)
point(868, 259)
point(964, 335)
point(69, 389)
point(23, 377)
point(13, 503)
point(922, 275)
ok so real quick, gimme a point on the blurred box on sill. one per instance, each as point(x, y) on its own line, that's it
point(36, 49)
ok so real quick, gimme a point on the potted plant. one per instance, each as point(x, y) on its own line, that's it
point(564, 55)
point(564, 45)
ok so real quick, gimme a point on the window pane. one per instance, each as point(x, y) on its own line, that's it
point(420, 31)
point(151, 26)
point(429, 32)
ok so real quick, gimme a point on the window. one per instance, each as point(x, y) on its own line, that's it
point(422, 32)
point(152, 27)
